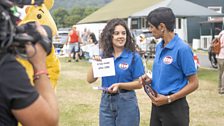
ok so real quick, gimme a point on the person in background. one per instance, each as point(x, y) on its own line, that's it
point(174, 75)
point(19, 100)
point(119, 106)
point(73, 44)
point(141, 44)
point(92, 38)
point(84, 36)
point(220, 59)
point(93, 46)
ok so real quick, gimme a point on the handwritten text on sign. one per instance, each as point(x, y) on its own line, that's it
point(103, 68)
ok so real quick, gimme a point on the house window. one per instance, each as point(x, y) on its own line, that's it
point(205, 42)
point(178, 23)
point(218, 9)
point(134, 23)
point(144, 23)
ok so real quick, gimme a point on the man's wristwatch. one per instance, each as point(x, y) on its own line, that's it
point(169, 99)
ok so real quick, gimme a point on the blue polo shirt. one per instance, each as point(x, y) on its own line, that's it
point(172, 65)
point(128, 67)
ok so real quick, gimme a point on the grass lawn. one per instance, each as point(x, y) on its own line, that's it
point(79, 103)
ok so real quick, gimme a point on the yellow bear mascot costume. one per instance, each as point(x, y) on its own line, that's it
point(42, 15)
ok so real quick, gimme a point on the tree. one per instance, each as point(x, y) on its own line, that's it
point(63, 18)
point(59, 15)
point(89, 10)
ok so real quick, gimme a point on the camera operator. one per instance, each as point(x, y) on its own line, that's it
point(19, 100)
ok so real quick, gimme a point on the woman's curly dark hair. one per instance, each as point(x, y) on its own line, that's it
point(106, 37)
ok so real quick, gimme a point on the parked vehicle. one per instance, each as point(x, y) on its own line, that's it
point(212, 58)
point(60, 39)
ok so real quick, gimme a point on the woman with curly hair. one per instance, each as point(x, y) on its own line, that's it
point(119, 106)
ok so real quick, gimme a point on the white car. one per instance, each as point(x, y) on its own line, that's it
point(59, 40)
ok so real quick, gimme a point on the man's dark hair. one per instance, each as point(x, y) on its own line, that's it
point(162, 15)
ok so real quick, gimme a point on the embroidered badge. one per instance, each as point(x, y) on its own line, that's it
point(123, 66)
point(168, 60)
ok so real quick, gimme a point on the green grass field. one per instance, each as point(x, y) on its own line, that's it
point(79, 103)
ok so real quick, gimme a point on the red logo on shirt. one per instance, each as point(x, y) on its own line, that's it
point(168, 60)
point(123, 66)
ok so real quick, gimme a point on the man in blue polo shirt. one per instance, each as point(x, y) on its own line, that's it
point(173, 74)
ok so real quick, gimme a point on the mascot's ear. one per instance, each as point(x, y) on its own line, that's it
point(49, 4)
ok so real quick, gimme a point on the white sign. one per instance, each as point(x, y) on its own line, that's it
point(103, 68)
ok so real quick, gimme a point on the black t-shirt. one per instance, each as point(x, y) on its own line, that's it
point(16, 92)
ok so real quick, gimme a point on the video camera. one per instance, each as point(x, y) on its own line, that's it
point(12, 37)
